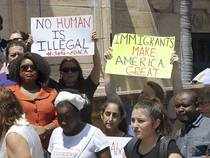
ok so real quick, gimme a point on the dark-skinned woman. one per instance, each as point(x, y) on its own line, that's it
point(30, 71)
point(75, 138)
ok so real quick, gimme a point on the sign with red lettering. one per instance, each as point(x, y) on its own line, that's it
point(62, 36)
point(141, 55)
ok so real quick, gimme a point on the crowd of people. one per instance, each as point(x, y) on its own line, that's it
point(41, 117)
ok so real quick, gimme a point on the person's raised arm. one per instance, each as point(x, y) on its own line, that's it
point(95, 73)
point(110, 89)
point(17, 147)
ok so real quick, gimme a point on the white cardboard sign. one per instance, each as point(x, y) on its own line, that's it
point(62, 36)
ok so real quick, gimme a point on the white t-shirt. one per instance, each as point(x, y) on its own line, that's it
point(31, 137)
point(83, 145)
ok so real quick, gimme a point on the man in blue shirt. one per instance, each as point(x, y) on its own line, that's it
point(193, 139)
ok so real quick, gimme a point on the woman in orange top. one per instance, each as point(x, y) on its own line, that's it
point(31, 73)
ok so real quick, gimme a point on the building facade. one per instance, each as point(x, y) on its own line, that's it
point(152, 17)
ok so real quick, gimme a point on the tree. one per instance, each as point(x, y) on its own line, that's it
point(186, 52)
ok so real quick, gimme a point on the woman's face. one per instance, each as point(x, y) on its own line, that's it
point(28, 71)
point(67, 119)
point(143, 125)
point(69, 73)
point(111, 116)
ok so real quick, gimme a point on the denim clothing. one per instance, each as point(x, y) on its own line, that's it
point(194, 139)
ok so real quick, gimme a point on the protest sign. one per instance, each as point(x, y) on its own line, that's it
point(117, 145)
point(62, 36)
point(141, 55)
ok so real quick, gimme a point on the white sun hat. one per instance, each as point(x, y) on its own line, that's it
point(203, 77)
point(75, 99)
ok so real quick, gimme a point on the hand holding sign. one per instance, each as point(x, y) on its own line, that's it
point(93, 37)
point(174, 58)
point(108, 54)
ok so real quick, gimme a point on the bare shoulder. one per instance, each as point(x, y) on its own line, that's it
point(17, 145)
point(14, 139)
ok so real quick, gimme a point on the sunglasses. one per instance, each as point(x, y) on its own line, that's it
point(26, 67)
point(72, 69)
point(15, 39)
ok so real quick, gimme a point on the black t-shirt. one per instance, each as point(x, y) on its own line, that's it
point(154, 153)
point(88, 87)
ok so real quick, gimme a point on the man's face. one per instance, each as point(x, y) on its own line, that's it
point(185, 107)
point(14, 52)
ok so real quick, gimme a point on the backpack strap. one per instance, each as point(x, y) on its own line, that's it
point(129, 147)
point(163, 148)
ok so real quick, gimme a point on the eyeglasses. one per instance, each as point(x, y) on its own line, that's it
point(26, 67)
point(68, 69)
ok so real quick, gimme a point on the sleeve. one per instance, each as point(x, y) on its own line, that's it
point(173, 148)
point(90, 87)
point(99, 141)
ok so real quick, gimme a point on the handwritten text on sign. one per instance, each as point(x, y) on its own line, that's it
point(139, 55)
point(62, 36)
point(116, 145)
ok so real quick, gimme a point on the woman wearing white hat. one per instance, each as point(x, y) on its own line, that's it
point(74, 138)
